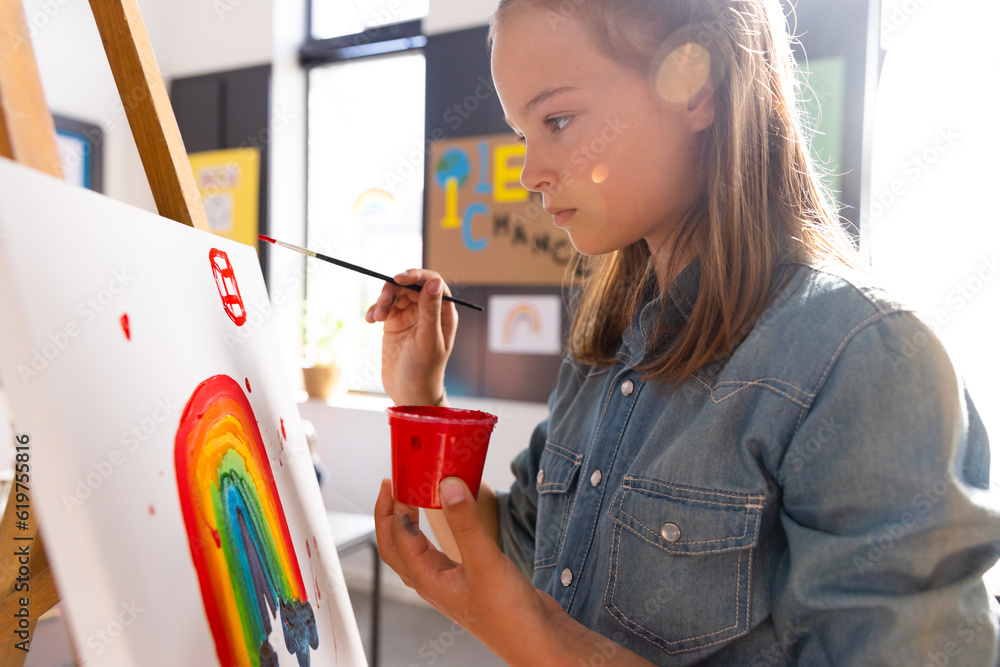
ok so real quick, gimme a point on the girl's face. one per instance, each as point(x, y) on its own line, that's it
point(615, 161)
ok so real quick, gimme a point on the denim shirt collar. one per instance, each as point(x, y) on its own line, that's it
point(673, 310)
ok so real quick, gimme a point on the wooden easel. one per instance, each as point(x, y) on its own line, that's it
point(27, 135)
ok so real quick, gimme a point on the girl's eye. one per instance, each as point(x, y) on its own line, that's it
point(558, 123)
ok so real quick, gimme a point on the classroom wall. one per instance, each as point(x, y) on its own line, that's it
point(78, 84)
point(188, 37)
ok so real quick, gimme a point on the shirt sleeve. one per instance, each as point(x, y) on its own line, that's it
point(887, 510)
point(518, 508)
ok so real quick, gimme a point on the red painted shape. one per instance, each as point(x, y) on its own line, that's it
point(283, 430)
point(225, 280)
point(124, 321)
point(247, 380)
point(308, 550)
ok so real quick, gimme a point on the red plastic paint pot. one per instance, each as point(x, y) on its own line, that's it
point(431, 443)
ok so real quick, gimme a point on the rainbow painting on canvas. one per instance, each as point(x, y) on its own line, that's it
point(237, 533)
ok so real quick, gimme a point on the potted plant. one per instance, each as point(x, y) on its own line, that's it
point(320, 348)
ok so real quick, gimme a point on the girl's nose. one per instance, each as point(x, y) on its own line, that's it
point(536, 175)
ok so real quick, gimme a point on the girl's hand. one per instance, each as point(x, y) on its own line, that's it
point(418, 336)
point(486, 593)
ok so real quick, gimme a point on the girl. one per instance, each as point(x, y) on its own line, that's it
point(752, 457)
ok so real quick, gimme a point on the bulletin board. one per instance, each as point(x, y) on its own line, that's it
point(483, 227)
point(229, 183)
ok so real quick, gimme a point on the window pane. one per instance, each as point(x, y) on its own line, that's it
point(366, 181)
point(336, 18)
point(931, 227)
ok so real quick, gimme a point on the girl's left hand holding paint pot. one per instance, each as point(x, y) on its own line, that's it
point(485, 594)
point(417, 337)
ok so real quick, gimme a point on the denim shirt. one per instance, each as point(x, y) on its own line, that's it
point(822, 498)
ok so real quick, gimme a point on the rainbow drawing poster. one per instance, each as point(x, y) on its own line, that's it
point(170, 476)
point(525, 324)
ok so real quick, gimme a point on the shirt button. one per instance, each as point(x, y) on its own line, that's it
point(627, 388)
point(670, 532)
point(566, 577)
point(595, 478)
point(540, 478)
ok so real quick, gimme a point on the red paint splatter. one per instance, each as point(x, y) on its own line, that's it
point(315, 545)
point(225, 280)
point(283, 430)
point(152, 510)
point(124, 321)
point(308, 550)
point(247, 380)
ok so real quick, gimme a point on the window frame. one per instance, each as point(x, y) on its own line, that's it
point(390, 38)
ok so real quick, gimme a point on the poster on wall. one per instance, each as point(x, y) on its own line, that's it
point(483, 227)
point(229, 183)
point(525, 324)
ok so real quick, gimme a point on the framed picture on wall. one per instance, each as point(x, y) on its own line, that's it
point(81, 152)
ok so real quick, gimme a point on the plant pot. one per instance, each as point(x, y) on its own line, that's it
point(320, 381)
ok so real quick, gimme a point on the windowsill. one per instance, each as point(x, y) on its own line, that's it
point(348, 400)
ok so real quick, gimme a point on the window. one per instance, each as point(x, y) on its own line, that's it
point(931, 226)
point(336, 18)
point(366, 180)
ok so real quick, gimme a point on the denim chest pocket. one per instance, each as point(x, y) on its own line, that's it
point(558, 470)
point(680, 563)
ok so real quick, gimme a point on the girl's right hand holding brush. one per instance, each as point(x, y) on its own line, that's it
point(418, 336)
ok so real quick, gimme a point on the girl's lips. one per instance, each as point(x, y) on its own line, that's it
point(560, 218)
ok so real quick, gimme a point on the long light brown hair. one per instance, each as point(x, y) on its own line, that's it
point(762, 201)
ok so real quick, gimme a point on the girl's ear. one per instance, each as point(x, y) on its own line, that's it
point(684, 77)
point(701, 109)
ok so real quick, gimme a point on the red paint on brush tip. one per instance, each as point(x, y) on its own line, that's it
point(124, 321)
point(262, 237)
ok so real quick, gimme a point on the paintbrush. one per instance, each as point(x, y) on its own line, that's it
point(359, 269)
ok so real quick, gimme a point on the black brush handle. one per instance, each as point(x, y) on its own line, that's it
point(375, 274)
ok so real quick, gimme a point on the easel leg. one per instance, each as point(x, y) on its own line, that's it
point(25, 577)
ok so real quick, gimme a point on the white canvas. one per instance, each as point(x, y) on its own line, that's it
point(103, 409)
